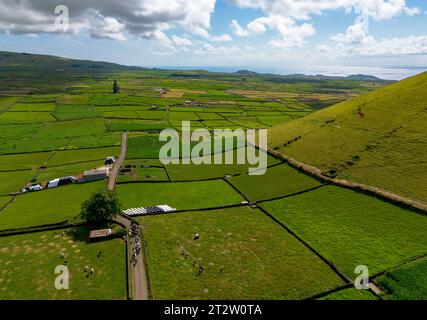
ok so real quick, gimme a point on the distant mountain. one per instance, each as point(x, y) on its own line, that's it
point(247, 73)
point(363, 77)
point(12, 61)
point(378, 138)
point(318, 77)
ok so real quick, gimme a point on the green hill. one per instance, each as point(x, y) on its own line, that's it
point(378, 139)
point(13, 61)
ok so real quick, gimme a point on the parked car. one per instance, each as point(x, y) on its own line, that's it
point(110, 160)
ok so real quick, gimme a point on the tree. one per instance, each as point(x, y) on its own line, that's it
point(101, 207)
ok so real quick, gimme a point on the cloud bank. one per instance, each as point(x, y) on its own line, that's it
point(112, 19)
point(291, 20)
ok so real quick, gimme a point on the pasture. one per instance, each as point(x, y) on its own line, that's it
point(279, 181)
point(179, 195)
point(259, 259)
point(82, 155)
point(58, 124)
point(407, 282)
point(47, 206)
point(350, 294)
point(377, 138)
point(29, 262)
point(14, 181)
point(209, 171)
point(75, 169)
point(23, 161)
point(137, 172)
point(352, 229)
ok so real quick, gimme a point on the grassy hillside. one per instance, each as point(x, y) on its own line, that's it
point(377, 139)
point(19, 61)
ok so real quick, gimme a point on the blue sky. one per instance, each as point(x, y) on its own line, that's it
point(381, 37)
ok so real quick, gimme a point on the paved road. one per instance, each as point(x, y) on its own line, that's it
point(140, 288)
point(115, 170)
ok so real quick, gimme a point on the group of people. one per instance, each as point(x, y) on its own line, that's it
point(201, 269)
point(135, 241)
point(89, 271)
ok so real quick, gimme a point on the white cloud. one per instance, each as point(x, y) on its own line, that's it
point(238, 30)
point(357, 41)
point(292, 35)
point(304, 9)
point(411, 45)
point(412, 11)
point(258, 26)
point(209, 49)
point(109, 19)
point(221, 38)
point(357, 33)
point(106, 28)
point(182, 41)
point(288, 16)
point(324, 48)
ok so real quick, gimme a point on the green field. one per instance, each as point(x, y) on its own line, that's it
point(180, 195)
point(277, 182)
point(146, 146)
point(73, 112)
point(47, 206)
point(34, 107)
point(29, 262)
point(139, 173)
point(14, 181)
point(260, 260)
point(53, 172)
point(406, 283)
point(208, 171)
point(23, 161)
point(350, 294)
point(363, 129)
point(3, 201)
point(82, 155)
point(352, 229)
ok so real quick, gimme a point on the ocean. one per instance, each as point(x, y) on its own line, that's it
point(382, 72)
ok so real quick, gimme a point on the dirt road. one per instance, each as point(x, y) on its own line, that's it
point(112, 178)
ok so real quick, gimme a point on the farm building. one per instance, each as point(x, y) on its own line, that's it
point(94, 175)
point(60, 182)
point(191, 103)
point(99, 234)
